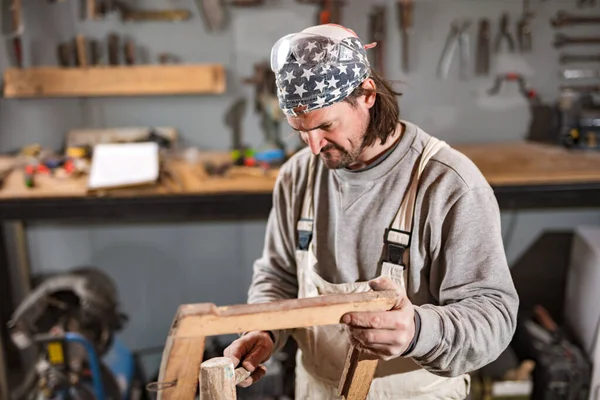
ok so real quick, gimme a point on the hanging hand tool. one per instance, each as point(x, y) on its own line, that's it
point(129, 52)
point(564, 40)
point(529, 94)
point(213, 13)
point(581, 88)
point(113, 49)
point(524, 28)
point(80, 45)
point(458, 36)
point(505, 34)
point(12, 30)
point(583, 3)
point(405, 22)
point(63, 53)
point(377, 35)
point(563, 19)
point(95, 54)
point(580, 73)
point(92, 9)
point(330, 11)
point(482, 66)
point(233, 119)
point(574, 58)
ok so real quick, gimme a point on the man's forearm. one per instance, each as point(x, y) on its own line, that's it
point(462, 337)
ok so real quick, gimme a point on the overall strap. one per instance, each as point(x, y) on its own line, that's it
point(306, 222)
point(398, 236)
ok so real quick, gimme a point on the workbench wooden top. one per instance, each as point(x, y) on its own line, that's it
point(503, 164)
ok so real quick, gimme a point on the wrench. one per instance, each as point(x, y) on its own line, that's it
point(565, 19)
point(586, 2)
point(573, 58)
point(580, 73)
point(564, 40)
point(581, 88)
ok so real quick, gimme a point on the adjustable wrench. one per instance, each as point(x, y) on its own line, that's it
point(573, 58)
point(580, 73)
point(564, 40)
point(581, 88)
point(565, 19)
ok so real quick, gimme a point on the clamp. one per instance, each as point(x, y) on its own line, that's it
point(529, 94)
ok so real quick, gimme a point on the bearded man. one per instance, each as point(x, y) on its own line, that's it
point(375, 203)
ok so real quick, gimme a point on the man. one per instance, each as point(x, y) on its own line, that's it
point(375, 203)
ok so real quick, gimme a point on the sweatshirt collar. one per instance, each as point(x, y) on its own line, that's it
point(383, 167)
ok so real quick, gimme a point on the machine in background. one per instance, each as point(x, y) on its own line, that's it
point(66, 330)
point(573, 122)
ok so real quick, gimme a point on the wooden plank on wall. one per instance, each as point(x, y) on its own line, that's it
point(146, 80)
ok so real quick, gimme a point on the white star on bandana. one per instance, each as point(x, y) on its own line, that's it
point(356, 70)
point(320, 100)
point(307, 74)
point(320, 85)
point(342, 69)
point(300, 90)
point(332, 82)
point(318, 56)
point(289, 76)
point(310, 46)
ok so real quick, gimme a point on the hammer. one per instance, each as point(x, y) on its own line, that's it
point(218, 379)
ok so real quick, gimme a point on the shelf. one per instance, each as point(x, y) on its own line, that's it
point(143, 80)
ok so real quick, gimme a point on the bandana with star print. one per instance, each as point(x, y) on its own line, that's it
point(311, 78)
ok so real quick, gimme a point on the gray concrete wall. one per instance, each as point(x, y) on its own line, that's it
point(158, 266)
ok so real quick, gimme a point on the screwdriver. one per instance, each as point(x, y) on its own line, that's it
point(405, 21)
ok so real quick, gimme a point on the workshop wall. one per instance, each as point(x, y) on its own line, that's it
point(158, 266)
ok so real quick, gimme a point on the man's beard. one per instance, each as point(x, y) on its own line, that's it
point(336, 157)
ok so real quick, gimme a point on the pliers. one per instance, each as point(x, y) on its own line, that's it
point(504, 33)
point(458, 35)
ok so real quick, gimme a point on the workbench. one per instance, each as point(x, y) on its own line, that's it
point(524, 175)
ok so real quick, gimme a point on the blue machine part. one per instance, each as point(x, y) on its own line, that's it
point(93, 360)
point(270, 156)
point(120, 361)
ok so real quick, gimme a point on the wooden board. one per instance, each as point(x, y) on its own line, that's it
point(358, 374)
point(203, 319)
point(502, 164)
point(529, 163)
point(194, 322)
point(114, 81)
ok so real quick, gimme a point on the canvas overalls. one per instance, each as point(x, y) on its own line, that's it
point(323, 349)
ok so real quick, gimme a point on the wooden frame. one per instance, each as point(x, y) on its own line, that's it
point(138, 80)
point(184, 348)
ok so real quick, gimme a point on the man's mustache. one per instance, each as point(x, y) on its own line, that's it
point(332, 146)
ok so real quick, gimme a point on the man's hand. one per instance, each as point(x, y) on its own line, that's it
point(386, 334)
point(252, 349)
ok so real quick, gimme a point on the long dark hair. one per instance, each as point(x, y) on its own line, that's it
point(384, 114)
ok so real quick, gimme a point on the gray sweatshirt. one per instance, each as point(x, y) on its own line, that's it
point(459, 280)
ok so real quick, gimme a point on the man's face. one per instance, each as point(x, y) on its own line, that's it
point(335, 132)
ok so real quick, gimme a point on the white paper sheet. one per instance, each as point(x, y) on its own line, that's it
point(123, 164)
